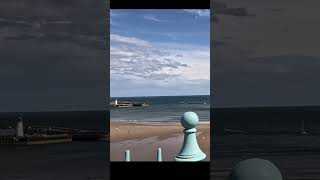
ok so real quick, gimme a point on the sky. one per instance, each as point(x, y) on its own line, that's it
point(159, 52)
point(53, 55)
point(265, 53)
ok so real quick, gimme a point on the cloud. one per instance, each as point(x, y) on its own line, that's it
point(51, 59)
point(289, 63)
point(161, 61)
point(129, 40)
point(177, 35)
point(156, 88)
point(222, 8)
point(135, 63)
point(31, 23)
point(219, 43)
point(153, 64)
point(272, 61)
point(199, 12)
point(49, 29)
point(152, 18)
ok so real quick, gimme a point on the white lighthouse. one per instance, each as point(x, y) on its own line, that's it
point(19, 129)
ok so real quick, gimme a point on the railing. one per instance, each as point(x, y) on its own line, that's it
point(190, 150)
point(127, 155)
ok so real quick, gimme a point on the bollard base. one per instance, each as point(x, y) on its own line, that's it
point(191, 158)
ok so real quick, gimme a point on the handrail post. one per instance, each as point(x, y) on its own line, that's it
point(127, 156)
point(159, 155)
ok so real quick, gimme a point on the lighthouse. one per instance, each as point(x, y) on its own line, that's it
point(19, 127)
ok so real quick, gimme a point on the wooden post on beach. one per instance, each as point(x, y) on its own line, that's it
point(127, 156)
point(159, 155)
point(190, 150)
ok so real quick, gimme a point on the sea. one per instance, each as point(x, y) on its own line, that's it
point(271, 133)
point(81, 160)
point(162, 108)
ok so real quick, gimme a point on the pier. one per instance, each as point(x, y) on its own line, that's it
point(47, 135)
point(126, 104)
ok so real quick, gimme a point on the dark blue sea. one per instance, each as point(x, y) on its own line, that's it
point(79, 160)
point(162, 108)
point(271, 133)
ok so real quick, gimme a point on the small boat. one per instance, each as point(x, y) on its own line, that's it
point(204, 101)
point(145, 104)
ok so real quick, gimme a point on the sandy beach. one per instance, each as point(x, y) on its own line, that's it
point(143, 139)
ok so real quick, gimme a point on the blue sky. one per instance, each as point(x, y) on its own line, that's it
point(159, 52)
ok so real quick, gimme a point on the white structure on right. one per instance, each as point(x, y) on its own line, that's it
point(190, 150)
point(19, 129)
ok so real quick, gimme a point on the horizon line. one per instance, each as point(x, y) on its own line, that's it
point(159, 96)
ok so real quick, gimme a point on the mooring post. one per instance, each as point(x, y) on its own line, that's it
point(159, 155)
point(190, 150)
point(127, 156)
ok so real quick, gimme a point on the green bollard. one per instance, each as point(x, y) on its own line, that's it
point(127, 156)
point(190, 150)
point(159, 155)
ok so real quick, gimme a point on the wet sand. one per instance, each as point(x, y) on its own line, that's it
point(143, 139)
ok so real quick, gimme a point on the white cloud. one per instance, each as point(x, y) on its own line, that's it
point(141, 68)
point(160, 62)
point(152, 18)
point(156, 88)
point(162, 69)
point(198, 12)
point(129, 40)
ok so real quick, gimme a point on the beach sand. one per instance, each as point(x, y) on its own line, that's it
point(143, 139)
